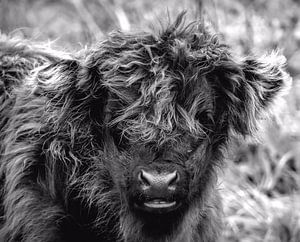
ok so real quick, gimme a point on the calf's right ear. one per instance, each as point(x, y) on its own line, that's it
point(73, 88)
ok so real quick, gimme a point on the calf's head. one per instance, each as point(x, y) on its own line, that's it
point(161, 109)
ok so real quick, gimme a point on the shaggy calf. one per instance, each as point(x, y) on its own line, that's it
point(121, 142)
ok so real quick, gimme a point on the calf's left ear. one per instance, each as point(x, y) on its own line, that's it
point(257, 87)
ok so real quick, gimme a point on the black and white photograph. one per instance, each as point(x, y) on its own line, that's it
point(149, 121)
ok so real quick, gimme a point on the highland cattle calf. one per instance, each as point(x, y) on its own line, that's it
point(121, 142)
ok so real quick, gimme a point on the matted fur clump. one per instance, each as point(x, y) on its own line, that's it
point(121, 141)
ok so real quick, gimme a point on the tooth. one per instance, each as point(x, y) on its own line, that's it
point(159, 204)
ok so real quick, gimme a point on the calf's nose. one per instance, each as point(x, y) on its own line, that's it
point(164, 181)
point(158, 189)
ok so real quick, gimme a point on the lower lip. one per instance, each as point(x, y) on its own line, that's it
point(159, 204)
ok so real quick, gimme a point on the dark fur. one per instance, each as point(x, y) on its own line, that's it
point(74, 127)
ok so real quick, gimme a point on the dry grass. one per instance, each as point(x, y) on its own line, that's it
point(261, 186)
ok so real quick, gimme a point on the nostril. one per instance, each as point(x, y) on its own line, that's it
point(142, 177)
point(173, 178)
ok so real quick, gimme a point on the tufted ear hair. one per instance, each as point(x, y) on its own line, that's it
point(74, 88)
point(249, 89)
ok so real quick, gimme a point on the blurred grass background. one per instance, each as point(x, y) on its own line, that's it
point(261, 184)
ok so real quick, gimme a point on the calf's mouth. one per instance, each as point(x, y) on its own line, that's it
point(158, 205)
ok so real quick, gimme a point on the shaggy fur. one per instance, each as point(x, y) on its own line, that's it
point(73, 129)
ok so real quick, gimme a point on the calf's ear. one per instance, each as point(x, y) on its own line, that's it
point(73, 88)
point(251, 88)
